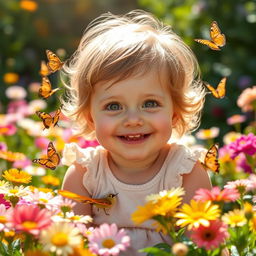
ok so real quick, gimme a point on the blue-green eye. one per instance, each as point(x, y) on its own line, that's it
point(113, 106)
point(150, 104)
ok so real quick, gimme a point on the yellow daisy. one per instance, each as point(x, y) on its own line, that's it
point(165, 203)
point(235, 218)
point(197, 213)
point(143, 213)
point(16, 176)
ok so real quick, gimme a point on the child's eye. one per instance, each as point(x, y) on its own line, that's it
point(113, 106)
point(150, 104)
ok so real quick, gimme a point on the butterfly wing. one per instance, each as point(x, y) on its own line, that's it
point(56, 117)
point(209, 43)
point(52, 159)
point(217, 37)
point(211, 159)
point(53, 156)
point(54, 62)
point(45, 90)
point(82, 199)
point(44, 71)
point(46, 118)
point(220, 92)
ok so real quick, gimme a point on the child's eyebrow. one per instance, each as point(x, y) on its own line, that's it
point(120, 97)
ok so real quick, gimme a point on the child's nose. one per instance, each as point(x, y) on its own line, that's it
point(133, 118)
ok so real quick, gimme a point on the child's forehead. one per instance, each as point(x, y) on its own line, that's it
point(157, 76)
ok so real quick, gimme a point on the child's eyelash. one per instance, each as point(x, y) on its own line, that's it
point(112, 106)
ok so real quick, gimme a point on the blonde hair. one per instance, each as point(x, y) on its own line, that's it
point(114, 48)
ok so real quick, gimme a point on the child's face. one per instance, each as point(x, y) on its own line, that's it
point(133, 118)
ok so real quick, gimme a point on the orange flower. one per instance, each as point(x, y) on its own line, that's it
point(12, 156)
point(28, 5)
point(10, 78)
point(51, 180)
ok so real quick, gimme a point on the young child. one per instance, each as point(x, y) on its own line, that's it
point(133, 83)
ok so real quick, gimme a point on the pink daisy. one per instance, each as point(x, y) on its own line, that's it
point(210, 237)
point(30, 219)
point(242, 185)
point(216, 194)
point(107, 240)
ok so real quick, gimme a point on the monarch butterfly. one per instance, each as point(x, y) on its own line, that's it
point(49, 120)
point(220, 91)
point(54, 62)
point(52, 160)
point(45, 90)
point(44, 71)
point(105, 202)
point(217, 38)
point(211, 159)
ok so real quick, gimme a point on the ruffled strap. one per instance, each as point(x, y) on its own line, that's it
point(182, 162)
point(72, 153)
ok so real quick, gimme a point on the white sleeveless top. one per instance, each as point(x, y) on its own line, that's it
point(100, 181)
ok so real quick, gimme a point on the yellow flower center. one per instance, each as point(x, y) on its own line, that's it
point(43, 200)
point(75, 217)
point(29, 224)
point(207, 133)
point(108, 243)
point(14, 191)
point(59, 239)
point(236, 219)
point(3, 219)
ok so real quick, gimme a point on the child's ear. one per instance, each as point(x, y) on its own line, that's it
point(89, 120)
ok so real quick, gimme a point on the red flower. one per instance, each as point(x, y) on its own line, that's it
point(210, 237)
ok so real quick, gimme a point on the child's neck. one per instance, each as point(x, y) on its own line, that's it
point(138, 172)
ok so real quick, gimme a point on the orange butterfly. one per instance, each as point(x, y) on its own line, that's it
point(211, 159)
point(220, 91)
point(104, 203)
point(52, 160)
point(217, 38)
point(44, 71)
point(48, 120)
point(45, 90)
point(54, 62)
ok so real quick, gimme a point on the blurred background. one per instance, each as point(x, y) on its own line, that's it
point(29, 27)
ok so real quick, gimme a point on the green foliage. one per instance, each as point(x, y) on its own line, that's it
point(191, 19)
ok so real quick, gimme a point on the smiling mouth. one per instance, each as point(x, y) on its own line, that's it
point(134, 137)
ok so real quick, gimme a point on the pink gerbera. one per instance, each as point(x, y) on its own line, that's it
point(30, 218)
point(210, 237)
point(108, 240)
point(216, 194)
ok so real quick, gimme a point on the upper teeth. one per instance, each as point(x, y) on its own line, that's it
point(134, 136)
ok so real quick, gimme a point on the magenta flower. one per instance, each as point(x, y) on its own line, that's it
point(244, 144)
point(41, 142)
point(210, 237)
point(107, 240)
point(30, 219)
point(22, 163)
point(7, 204)
point(242, 165)
point(217, 195)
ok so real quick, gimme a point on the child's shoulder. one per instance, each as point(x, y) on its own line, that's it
point(74, 154)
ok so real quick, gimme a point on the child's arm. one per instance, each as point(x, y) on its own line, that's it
point(197, 178)
point(73, 182)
